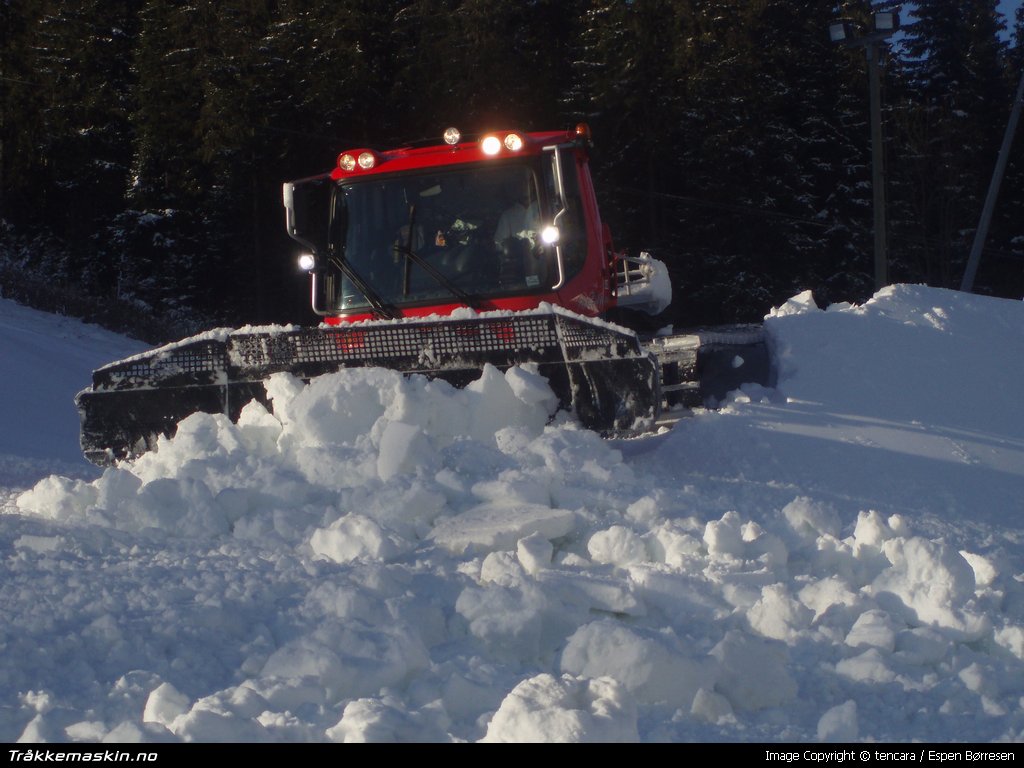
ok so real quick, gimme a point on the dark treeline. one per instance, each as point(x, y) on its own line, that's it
point(143, 142)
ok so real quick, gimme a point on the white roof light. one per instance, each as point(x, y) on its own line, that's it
point(491, 145)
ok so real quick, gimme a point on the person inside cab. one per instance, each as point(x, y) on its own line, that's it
point(516, 237)
point(521, 219)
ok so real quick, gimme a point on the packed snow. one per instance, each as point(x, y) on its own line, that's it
point(386, 558)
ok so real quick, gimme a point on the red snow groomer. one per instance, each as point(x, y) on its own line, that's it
point(439, 260)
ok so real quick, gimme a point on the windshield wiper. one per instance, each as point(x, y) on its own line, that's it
point(377, 304)
point(438, 275)
point(429, 268)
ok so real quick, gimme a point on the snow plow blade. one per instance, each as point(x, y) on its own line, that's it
point(598, 371)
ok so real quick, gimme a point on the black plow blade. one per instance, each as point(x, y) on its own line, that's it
point(598, 371)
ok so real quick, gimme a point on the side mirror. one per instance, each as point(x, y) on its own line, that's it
point(307, 206)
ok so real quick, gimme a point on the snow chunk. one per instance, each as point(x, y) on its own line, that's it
point(353, 537)
point(874, 629)
point(778, 615)
point(929, 582)
point(493, 526)
point(403, 448)
point(508, 621)
point(567, 709)
point(808, 519)
point(753, 672)
point(724, 538)
point(711, 707)
point(350, 659)
point(839, 724)
point(534, 553)
point(389, 721)
point(652, 666)
point(617, 545)
point(165, 704)
point(800, 304)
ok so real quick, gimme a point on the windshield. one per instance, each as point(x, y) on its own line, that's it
point(444, 235)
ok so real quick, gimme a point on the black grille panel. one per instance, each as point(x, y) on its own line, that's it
point(200, 361)
point(406, 346)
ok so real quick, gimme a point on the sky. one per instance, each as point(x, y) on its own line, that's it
point(1008, 8)
point(837, 559)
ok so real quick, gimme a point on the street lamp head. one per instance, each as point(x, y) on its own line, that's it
point(886, 21)
point(840, 31)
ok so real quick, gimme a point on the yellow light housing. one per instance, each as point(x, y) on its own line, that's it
point(366, 160)
point(583, 131)
point(513, 142)
point(452, 135)
point(346, 162)
point(490, 145)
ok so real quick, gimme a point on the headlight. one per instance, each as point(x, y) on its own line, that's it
point(549, 235)
point(306, 262)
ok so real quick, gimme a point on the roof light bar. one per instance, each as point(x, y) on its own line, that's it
point(492, 144)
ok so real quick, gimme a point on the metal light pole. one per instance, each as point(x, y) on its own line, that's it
point(844, 31)
point(967, 284)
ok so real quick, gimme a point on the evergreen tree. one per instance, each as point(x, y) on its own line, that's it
point(159, 234)
point(789, 150)
point(65, 120)
point(1001, 271)
point(23, 94)
point(228, 277)
point(632, 66)
point(731, 160)
point(168, 103)
point(955, 64)
point(732, 139)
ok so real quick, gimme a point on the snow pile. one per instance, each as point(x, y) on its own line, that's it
point(386, 558)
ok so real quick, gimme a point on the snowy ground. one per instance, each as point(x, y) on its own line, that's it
point(839, 559)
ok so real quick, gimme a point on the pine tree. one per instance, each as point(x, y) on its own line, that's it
point(159, 234)
point(1001, 271)
point(731, 157)
point(74, 133)
point(168, 103)
point(23, 95)
point(478, 64)
point(955, 63)
point(778, 104)
point(631, 67)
